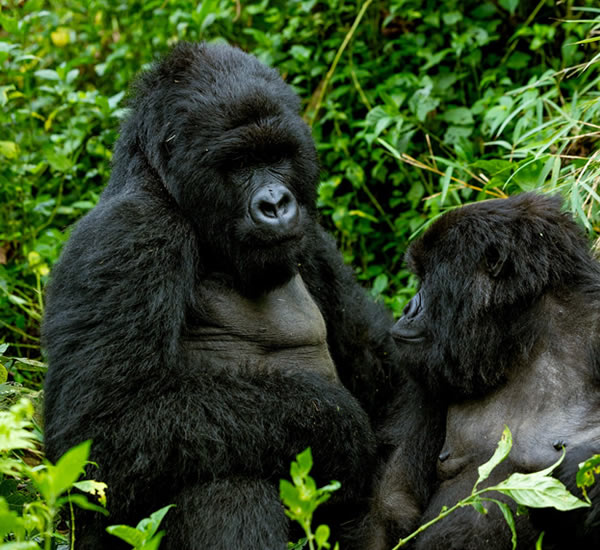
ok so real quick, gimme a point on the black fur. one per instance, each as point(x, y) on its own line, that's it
point(504, 330)
point(187, 340)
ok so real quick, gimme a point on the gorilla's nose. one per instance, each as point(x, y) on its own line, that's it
point(274, 206)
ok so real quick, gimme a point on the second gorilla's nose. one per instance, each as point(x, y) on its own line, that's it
point(275, 206)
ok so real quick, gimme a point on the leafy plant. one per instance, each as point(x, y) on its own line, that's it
point(30, 524)
point(302, 497)
point(534, 490)
point(144, 536)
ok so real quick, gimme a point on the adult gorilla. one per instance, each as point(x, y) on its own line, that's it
point(505, 329)
point(200, 326)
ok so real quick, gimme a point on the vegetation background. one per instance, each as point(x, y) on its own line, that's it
point(417, 106)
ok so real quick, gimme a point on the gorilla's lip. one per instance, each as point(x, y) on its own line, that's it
point(283, 239)
point(408, 336)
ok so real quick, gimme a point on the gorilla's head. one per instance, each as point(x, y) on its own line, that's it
point(487, 271)
point(223, 135)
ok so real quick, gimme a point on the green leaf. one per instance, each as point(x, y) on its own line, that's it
point(322, 536)
point(10, 25)
point(57, 479)
point(29, 545)
point(15, 427)
point(92, 487)
point(10, 521)
point(478, 505)
point(445, 183)
point(304, 461)
point(47, 74)
point(150, 525)
point(9, 149)
point(459, 115)
point(128, 534)
point(421, 103)
point(510, 520)
point(539, 491)
point(455, 134)
point(509, 5)
point(587, 472)
point(538, 542)
point(82, 502)
point(451, 18)
point(502, 450)
point(58, 161)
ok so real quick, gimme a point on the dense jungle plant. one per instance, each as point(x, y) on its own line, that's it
point(417, 106)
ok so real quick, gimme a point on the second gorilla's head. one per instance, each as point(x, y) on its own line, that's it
point(223, 136)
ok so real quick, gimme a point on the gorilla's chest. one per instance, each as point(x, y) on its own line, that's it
point(283, 329)
point(545, 404)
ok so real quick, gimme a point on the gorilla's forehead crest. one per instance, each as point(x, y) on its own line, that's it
point(228, 79)
point(513, 226)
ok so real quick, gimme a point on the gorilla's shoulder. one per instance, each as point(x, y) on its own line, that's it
point(129, 220)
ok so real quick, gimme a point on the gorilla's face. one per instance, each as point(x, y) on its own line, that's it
point(484, 269)
point(232, 150)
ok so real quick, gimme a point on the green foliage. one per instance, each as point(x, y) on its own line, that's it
point(27, 515)
point(302, 497)
point(33, 491)
point(534, 490)
point(586, 476)
point(144, 536)
point(416, 107)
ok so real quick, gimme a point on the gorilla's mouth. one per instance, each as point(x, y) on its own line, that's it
point(407, 335)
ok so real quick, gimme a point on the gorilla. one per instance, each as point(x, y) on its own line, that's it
point(201, 327)
point(505, 329)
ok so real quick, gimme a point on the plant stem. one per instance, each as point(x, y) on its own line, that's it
point(442, 515)
point(336, 59)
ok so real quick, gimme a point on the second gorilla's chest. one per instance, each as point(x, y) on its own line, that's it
point(283, 329)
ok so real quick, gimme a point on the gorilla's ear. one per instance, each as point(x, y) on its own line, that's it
point(494, 260)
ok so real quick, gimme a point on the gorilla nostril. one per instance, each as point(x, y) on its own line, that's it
point(269, 209)
point(274, 205)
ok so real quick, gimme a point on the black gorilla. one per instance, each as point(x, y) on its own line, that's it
point(201, 327)
point(505, 329)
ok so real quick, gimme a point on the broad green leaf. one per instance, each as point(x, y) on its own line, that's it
point(539, 491)
point(150, 525)
point(501, 452)
point(128, 534)
point(57, 479)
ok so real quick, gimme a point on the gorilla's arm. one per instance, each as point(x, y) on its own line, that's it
point(357, 329)
point(115, 312)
